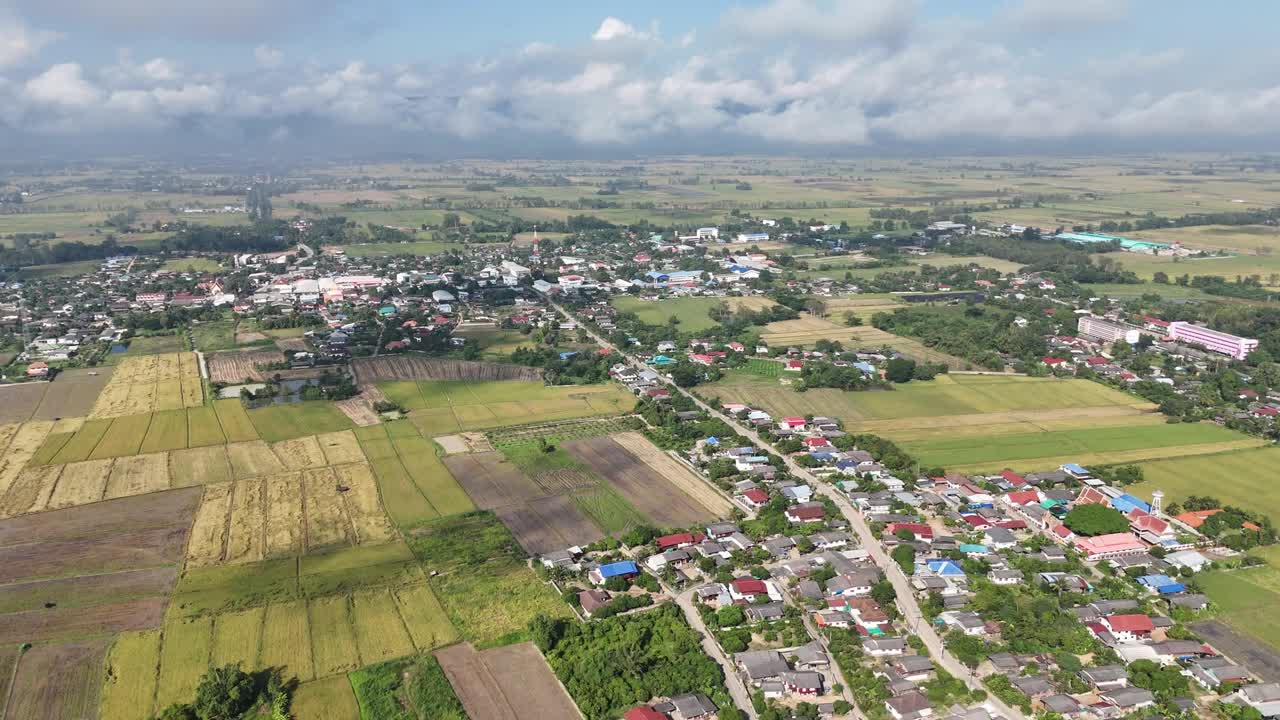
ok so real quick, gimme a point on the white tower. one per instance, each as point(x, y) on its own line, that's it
point(1157, 502)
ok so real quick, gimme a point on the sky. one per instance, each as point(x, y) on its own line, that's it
point(606, 78)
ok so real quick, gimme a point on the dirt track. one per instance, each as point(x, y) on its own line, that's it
point(651, 493)
point(512, 682)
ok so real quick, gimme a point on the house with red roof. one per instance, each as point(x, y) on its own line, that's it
point(1062, 532)
point(806, 513)
point(1113, 545)
point(1091, 496)
point(817, 442)
point(977, 522)
point(1013, 478)
point(747, 589)
point(644, 712)
point(1145, 523)
point(1265, 411)
point(702, 359)
point(1196, 518)
point(1128, 628)
point(922, 531)
point(792, 423)
point(678, 540)
point(1023, 497)
point(794, 366)
point(755, 497)
point(1052, 362)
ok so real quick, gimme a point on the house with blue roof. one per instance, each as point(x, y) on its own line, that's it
point(1075, 470)
point(660, 360)
point(1127, 502)
point(1162, 584)
point(974, 550)
point(940, 568)
point(866, 367)
point(622, 569)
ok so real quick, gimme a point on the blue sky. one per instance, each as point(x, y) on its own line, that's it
point(614, 76)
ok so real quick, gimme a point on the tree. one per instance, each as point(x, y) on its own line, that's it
point(224, 692)
point(900, 370)
point(730, 615)
point(1094, 519)
point(905, 556)
point(883, 593)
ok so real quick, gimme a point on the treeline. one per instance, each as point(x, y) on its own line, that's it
point(978, 334)
point(259, 237)
point(581, 368)
point(63, 252)
point(1048, 256)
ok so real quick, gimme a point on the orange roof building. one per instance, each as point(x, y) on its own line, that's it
point(1196, 518)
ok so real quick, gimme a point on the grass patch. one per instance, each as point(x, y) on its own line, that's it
point(214, 335)
point(1246, 478)
point(483, 582)
point(691, 311)
point(608, 509)
point(406, 689)
point(295, 420)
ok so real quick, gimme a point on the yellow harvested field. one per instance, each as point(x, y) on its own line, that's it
point(285, 526)
point(30, 491)
point(286, 640)
point(326, 522)
point(146, 383)
point(362, 504)
point(199, 466)
point(129, 684)
point(678, 475)
point(252, 459)
point(138, 474)
point(334, 650)
point(246, 529)
point(340, 448)
point(428, 624)
point(907, 428)
point(380, 633)
point(300, 453)
point(22, 446)
point(184, 658)
point(64, 425)
point(7, 432)
point(209, 530)
point(81, 483)
point(236, 637)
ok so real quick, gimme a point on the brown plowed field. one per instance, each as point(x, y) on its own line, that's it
point(109, 567)
point(679, 475)
point(410, 367)
point(651, 493)
point(20, 400)
point(233, 367)
point(506, 683)
point(540, 521)
point(551, 523)
point(491, 481)
point(73, 393)
point(58, 682)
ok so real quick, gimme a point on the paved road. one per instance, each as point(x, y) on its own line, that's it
point(912, 616)
point(737, 690)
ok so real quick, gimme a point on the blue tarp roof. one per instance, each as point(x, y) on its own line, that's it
point(1172, 589)
point(1155, 580)
point(713, 440)
point(568, 354)
point(1075, 469)
point(624, 567)
point(944, 568)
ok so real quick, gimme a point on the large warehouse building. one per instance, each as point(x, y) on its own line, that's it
point(1104, 330)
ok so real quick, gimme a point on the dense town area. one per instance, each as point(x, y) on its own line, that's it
point(937, 464)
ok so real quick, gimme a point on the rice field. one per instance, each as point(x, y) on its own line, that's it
point(147, 383)
point(317, 638)
point(444, 407)
point(129, 686)
point(1247, 478)
point(690, 311)
point(283, 422)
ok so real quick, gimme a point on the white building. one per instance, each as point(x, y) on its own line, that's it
point(1212, 340)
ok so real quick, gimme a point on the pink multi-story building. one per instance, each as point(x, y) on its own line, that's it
point(1212, 340)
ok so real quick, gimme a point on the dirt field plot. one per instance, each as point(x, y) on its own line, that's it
point(651, 493)
point(549, 523)
point(360, 408)
point(125, 534)
point(58, 682)
point(491, 481)
point(409, 367)
point(237, 367)
point(73, 393)
point(507, 682)
point(18, 402)
point(674, 472)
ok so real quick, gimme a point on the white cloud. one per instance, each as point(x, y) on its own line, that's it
point(19, 43)
point(268, 57)
point(63, 84)
point(611, 28)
